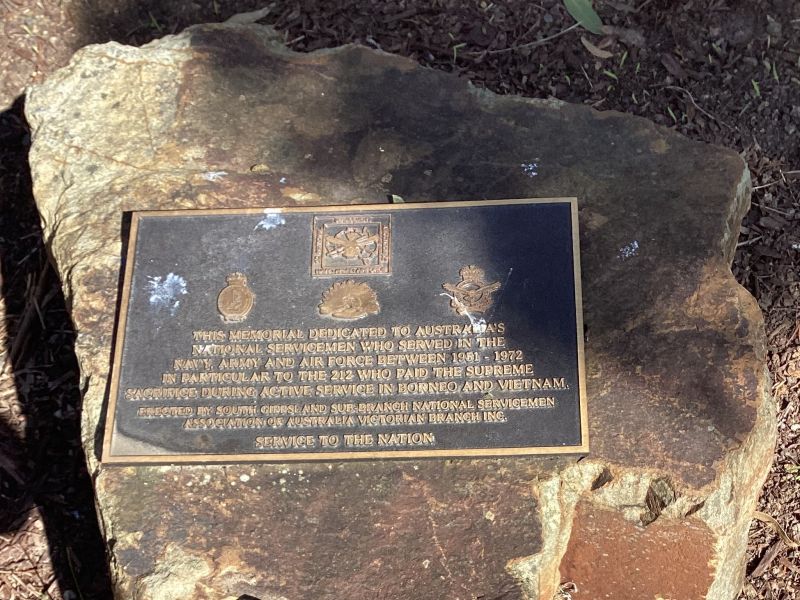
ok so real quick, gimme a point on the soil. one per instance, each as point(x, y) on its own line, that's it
point(720, 71)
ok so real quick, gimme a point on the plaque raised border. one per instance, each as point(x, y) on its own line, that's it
point(244, 302)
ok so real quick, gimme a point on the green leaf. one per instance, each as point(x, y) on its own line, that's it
point(583, 13)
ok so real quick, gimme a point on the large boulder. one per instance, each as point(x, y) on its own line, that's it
point(681, 422)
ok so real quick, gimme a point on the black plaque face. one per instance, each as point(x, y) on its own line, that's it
point(350, 332)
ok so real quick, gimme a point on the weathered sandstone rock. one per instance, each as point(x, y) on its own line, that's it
point(682, 425)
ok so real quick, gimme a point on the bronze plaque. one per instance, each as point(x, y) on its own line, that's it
point(448, 329)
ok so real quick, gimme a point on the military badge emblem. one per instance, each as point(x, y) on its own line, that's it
point(472, 295)
point(349, 300)
point(235, 300)
point(351, 245)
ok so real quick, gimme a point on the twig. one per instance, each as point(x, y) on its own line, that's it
point(766, 185)
point(586, 75)
point(72, 571)
point(691, 99)
point(748, 242)
point(532, 44)
point(17, 570)
point(775, 210)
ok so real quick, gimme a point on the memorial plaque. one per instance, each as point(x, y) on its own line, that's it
point(448, 329)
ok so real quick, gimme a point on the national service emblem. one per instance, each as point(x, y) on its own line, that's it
point(349, 300)
point(472, 294)
point(351, 245)
point(235, 301)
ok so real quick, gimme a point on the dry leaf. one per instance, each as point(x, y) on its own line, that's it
point(595, 50)
point(673, 66)
point(776, 527)
point(249, 17)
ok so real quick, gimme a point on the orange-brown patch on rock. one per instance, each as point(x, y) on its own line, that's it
point(610, 557)
point(659, 146)
point(300, 195)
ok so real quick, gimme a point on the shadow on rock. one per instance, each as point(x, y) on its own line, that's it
point(42, 463)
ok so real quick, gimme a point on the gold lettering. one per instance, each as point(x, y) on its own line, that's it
point(538, 383)
point(281, 442)
point(359, 439)
point(492, 342)
point(406, 439)
point(208, 336)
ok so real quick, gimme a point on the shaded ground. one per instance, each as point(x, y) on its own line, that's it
point(722, 71)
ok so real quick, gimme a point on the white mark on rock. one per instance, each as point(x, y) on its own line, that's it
point(380, 149)
point(629, 250)
point(164, 291)
point(531, 169)
point(478, 325)
point(795, 245)
point(437, 543)
point(282, 180)
point(271, 220)
point(426, 563)
point(214, 175)
point(244, 478)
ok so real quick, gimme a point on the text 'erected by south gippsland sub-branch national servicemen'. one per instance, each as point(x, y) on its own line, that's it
point(340, 388)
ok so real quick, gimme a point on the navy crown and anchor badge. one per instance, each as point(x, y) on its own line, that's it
point(235, 301)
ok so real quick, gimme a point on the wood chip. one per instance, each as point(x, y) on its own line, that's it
point(766, 560)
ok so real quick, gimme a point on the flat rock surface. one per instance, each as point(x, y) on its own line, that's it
point(681, 423)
